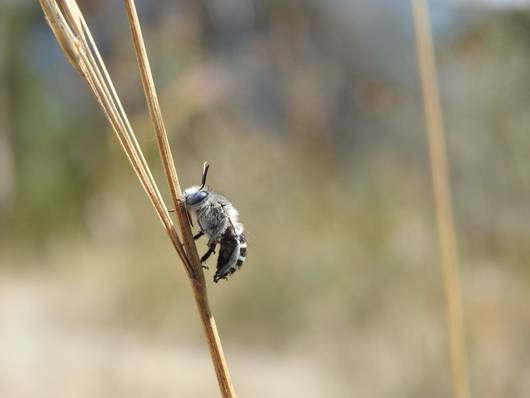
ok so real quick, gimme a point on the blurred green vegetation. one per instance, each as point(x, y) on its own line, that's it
point(310, 115)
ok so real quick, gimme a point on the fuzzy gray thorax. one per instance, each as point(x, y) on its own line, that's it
point(214, 214)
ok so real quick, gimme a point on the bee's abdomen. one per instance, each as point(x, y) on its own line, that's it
point(232, 255)
point(242, 251)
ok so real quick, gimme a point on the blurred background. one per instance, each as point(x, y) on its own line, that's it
point(310, 115)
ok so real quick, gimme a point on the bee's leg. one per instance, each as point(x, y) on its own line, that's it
point(189, 217)
point(211, 245)
point(198, 235)
point(207, 255)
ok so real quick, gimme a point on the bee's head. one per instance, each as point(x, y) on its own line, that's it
point(195, 195)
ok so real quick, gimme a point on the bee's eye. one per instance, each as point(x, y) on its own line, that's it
point(196, 197)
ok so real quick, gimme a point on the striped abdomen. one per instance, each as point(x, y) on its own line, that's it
point(232, 255)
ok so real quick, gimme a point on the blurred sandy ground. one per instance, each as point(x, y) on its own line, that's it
point(45, 354)
point(310, 115)
point(54, 343)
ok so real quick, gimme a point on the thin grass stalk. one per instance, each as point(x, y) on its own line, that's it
point(156, 117)
point(131, 136)
point(442, 198)
point(197, 279)
point(74, 36)
point(66, 27)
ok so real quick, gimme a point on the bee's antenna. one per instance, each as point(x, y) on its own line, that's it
point(205, 168)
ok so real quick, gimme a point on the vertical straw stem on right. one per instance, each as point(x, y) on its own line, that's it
point(442, 198)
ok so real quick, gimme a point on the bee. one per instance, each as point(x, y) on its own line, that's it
point(218, 220)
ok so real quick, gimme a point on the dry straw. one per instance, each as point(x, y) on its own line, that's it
point(442, 198)
point(72, 33)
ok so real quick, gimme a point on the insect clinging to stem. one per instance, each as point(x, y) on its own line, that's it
point(218, 220)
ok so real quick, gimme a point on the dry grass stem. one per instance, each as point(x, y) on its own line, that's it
point(74, 36)
point(442, 198)
point(156, 117)
point(198, 282)
point(71, 32)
